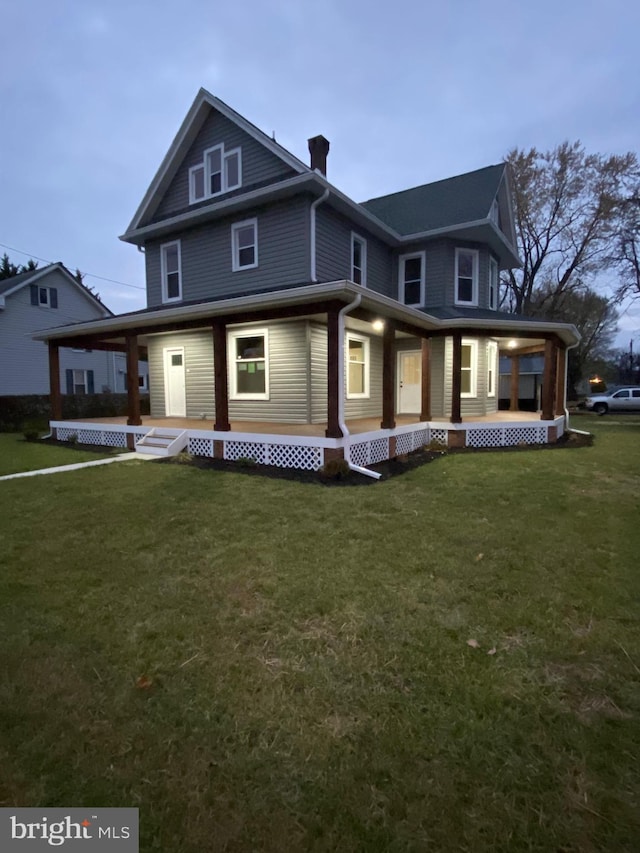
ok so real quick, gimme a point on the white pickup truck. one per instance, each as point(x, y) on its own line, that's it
point(619, 400)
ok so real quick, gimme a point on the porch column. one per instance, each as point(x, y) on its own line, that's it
point(54, 381)
point(220, 375)
point(561, 381)
point(456, 379)
point(388, 376)
point(425, 387)
point(133, 388)
point(515, 383)
point(549, 380)
point(333, 375)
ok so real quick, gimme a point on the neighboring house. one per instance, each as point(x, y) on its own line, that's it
point(521, 387)
point(279, 308)
point(34, 301)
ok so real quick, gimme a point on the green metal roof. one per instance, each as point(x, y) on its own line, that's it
point(442, 204)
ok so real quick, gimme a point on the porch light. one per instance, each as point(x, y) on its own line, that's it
point(512, 344)
point(378, 325)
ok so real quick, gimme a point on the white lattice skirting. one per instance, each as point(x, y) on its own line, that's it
point(108, 438)
point(506, 436)
point(281, 455)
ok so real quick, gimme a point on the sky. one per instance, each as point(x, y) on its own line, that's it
point(92, 94)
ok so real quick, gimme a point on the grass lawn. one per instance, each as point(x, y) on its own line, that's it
point(17, 455)
point(266, 665)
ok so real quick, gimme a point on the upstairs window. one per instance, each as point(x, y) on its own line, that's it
point(357, 354)
point(493, 284)
point(358, 260)
point(249, 364)
point(244, 245)
point(466, 279)
point(171, 265)
point(45, 297)
point(411, 279)
point(219, 172)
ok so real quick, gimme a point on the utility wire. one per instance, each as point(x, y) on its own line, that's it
point(89, 274)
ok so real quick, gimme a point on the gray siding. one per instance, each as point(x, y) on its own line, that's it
point(470, 406)
point(198, 360)
point(283, 256)
point(259, 165)
point(24, 363)
point(319, 384)
point(437, 378)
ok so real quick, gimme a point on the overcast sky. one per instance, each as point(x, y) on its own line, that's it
point(92, 94)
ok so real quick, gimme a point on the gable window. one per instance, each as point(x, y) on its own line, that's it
point(411, 279)
point(357, 355)
point(219, 172)
point(358, 260)
point(469, 378)
point(249, 364)
point(493, 284)
point(466, 280)
point(244, 245)
point(80, 382)
point(492, 368)
point(45, 297)
point(171, 265)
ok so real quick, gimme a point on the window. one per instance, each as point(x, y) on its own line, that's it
point(171, 271)
point(219, 172)
point(357, 356)
point(493, 284)
point(469, 368)
point(358, 260)
point(45, 297)
point(492, 367)
point(244, 245)
point(249, 364)
point(635, 393)
point(466, 281)
point(411, 279)
point(142, 383)
point(621, 395)
point(80, 381)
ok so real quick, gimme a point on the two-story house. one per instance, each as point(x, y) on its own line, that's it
point(289, 323)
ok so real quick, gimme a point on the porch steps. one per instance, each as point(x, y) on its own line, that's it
point(163, 442)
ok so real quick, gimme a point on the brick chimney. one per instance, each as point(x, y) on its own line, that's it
point(319, 148)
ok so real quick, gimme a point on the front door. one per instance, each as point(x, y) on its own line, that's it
point(409, 381)
point(174, 383)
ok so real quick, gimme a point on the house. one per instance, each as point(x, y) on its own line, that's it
point(288, 323)
point(521, 382)
point(35, 300)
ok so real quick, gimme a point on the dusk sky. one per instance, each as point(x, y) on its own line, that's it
point(407, 92)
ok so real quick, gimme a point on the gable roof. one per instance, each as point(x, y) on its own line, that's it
point(199, 110)
point(442, 204)
point(17, 282)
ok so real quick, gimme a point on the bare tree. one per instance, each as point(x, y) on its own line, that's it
point(569, 211)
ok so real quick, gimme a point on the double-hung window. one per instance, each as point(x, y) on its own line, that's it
point(171, 269)
point(45, 297)
point(466, 278)
point(469, 378)
point(219, 172)
point(358, 260)
point(493, 284)
point(244, 245)
point(357, 356)
point(249, 364)
point(411, 279)
point(492, 368)
point(80, 381)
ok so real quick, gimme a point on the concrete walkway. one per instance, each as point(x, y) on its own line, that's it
point(121, 457)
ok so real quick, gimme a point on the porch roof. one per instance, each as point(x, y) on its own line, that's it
point(251, 306)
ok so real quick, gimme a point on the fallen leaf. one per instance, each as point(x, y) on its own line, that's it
point(473, 643)
point(492, 651)
point(143, 682)
point(479, 557)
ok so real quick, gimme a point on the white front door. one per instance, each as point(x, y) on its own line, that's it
point(409, 381)
point(175, 396)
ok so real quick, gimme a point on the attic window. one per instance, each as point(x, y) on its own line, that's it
point(45, 297)
point(219, 172)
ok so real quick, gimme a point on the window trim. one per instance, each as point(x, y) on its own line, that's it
point(474, 277)
point(366, 394)
point(203, 164)
point(493, 265)
point(473, 369)
point(492, 367)
point(232, 336)
point(163, 271)
point(356, 238)
point(401, 281)
point(235, 248)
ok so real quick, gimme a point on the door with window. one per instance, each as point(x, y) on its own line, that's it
point(175, 394)
point(409, 382)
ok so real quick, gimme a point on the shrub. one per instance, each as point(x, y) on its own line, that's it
point(336, 469)
point(31, 430)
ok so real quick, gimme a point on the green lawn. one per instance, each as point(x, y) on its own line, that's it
point(264, 665)
point(17, 455)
